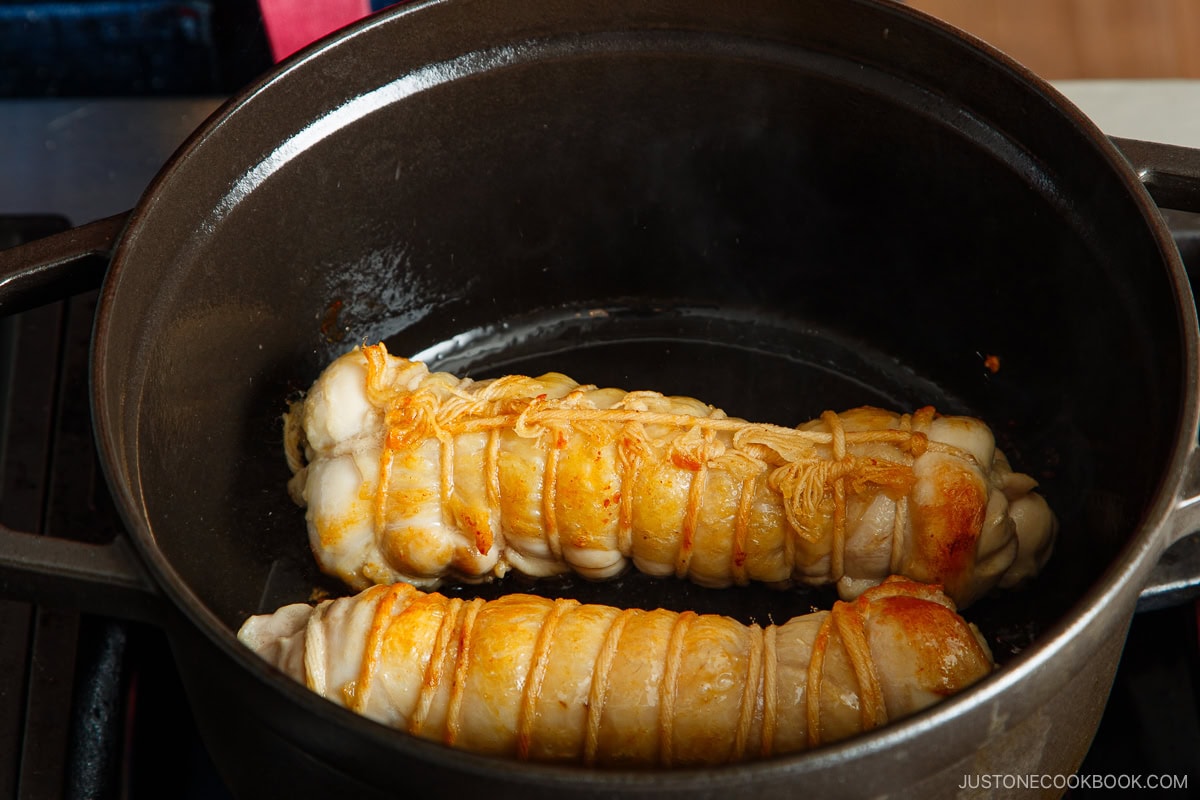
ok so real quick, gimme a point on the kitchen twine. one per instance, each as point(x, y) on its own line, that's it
point(846, 621)
point(442, 408)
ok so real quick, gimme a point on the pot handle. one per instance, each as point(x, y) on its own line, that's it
point(1170, 173)
point(57, 266)
point(1176, 576)
point(105, 579)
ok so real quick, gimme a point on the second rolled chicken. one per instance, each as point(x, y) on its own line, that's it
point(556, 680)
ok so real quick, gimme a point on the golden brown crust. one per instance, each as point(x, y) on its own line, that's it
point(539, 679)
point(544, 475)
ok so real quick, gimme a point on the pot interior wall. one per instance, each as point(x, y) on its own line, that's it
point(776, 230)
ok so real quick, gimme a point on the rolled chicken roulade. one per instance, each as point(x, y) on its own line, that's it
point(418, 476)
point(555, 680)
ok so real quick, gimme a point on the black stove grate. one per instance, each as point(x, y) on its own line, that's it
point(90, 708)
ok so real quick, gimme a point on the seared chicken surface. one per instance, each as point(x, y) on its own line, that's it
point(554, 680)
point(414, 476)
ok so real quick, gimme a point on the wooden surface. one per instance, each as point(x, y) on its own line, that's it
point(1069, 39)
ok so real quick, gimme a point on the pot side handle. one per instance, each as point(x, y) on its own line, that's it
point(1170, 173)
point(106, 579)
point(97, 578)
point(57, 266)
point(1176, 576)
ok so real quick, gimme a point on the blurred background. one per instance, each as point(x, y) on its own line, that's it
point(131, 48)
point(94, 48)
point(1076, 39)
point(50, 48)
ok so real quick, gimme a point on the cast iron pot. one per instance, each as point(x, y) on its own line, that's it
point(779, 207)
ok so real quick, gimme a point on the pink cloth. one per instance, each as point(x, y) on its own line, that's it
point(293, 24)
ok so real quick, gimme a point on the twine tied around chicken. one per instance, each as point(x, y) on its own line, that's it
point(805, 467)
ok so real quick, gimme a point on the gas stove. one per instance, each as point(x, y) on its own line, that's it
point(91, 707)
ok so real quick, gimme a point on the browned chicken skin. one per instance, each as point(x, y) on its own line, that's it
point(556, 680)
point(418, 476)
